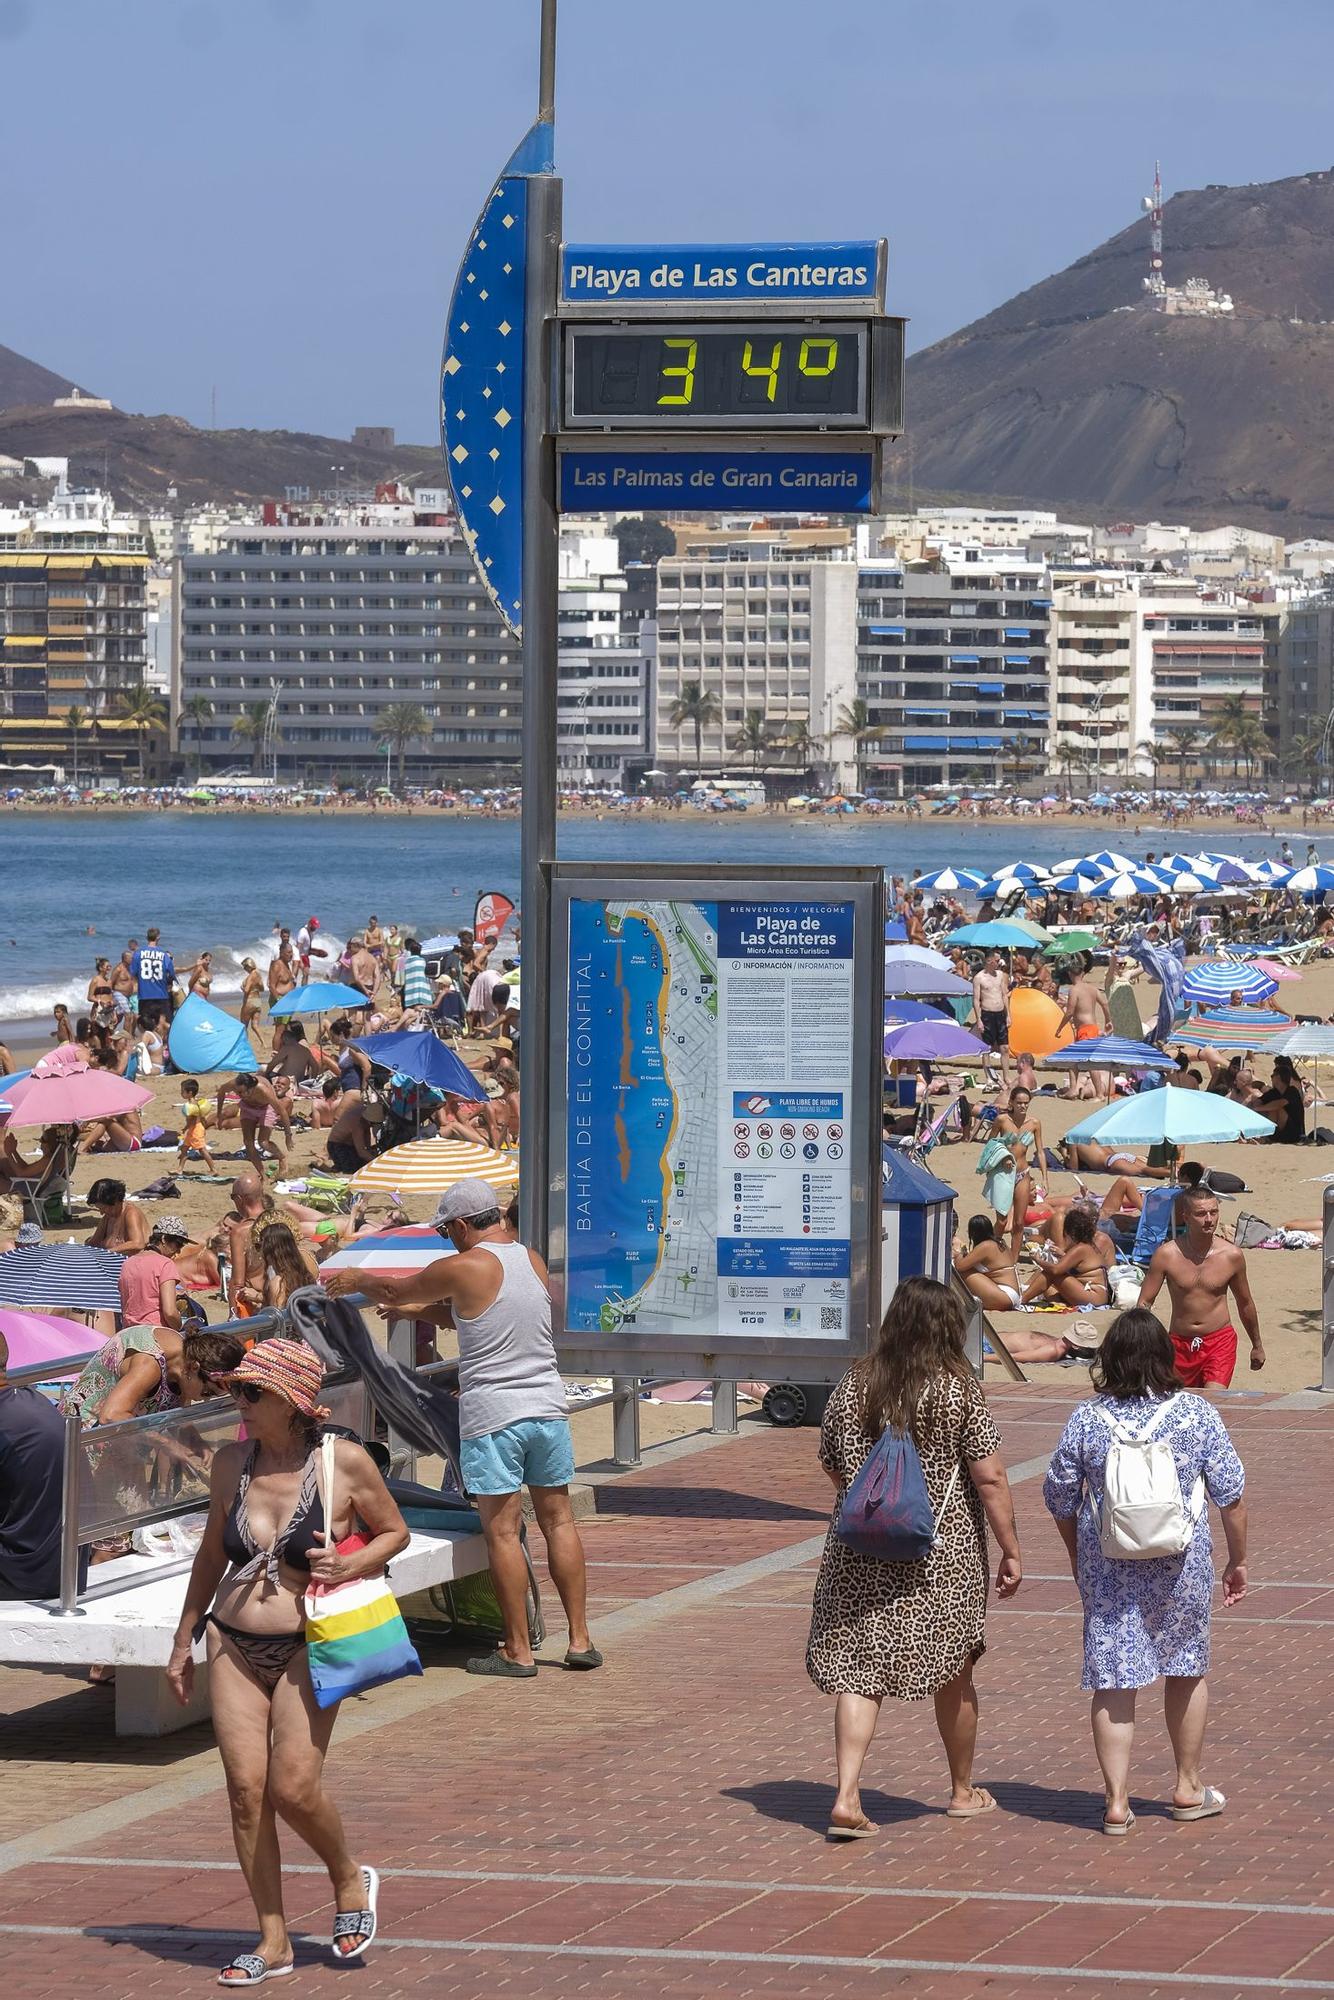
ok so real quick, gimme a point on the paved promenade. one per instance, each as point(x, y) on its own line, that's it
point(657, 1827)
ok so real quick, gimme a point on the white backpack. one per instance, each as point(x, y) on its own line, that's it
point(1142, 1514)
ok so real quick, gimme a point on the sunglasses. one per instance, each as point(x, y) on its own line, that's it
point(247, 1392)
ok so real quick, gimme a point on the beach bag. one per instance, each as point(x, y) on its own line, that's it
point(1142, 1514)
point(355, 1635)
point(886, 1512)
point(373, 1106)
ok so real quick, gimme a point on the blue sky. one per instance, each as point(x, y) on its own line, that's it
point(270, 197)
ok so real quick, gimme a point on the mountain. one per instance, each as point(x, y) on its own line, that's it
point(1077, 395)
point(139, 459)
point(23, 381)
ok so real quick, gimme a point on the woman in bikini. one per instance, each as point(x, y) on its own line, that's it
point(1080, 1277)
point(1024, 1134)
point(989, 1273)
point(266, 1538)
point(252, 989)
point(201, 976)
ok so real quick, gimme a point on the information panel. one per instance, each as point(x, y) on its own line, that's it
point(717, 1166)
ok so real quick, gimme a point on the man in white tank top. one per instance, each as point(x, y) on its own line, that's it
point(513, 1425)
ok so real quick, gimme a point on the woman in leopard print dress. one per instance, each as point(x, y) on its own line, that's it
point(912, 1629)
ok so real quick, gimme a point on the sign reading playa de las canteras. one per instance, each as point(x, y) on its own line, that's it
point(709, 1087)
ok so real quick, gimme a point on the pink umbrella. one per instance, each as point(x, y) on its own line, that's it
point(35, 1337)
point(1274, 969)
point(63, 1090)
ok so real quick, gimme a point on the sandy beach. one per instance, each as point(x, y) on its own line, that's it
point(1286, 1187)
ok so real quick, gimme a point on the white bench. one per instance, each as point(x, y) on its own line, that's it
point(132, 1606)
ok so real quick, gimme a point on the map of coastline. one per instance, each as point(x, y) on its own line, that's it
point(641, 1144)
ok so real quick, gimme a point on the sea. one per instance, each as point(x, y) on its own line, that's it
point(77, 886)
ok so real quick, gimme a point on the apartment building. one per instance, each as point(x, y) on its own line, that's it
point(763, 622)
point(1102, 675)
point(602, 703)
point(73, 579)
point(953, 668)
point(319, 627)
point(1300, 693)
point(1210, 652)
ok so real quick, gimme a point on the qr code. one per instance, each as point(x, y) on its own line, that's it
point(831, 1319)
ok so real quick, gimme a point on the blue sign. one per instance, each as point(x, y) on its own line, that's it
point(785, 930)
point(643, 273)
point(793, 482)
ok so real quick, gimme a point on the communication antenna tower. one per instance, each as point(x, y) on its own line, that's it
point(1156, 283)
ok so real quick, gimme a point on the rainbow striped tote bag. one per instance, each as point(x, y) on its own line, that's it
point(355, 1635)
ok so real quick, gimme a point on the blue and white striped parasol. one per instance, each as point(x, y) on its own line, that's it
point(52, 1275)
point(950, 878)
point(1214, 984)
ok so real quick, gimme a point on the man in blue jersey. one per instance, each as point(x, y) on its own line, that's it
point(154, 972)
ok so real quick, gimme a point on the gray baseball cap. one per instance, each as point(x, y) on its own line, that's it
point(465, 1199)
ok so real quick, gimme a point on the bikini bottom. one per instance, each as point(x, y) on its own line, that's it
point(266, 1656)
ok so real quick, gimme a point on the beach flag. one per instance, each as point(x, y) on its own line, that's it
point(491, 915)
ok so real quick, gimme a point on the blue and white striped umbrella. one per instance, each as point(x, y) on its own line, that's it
point(1119, 864)
point(950, 878)
point(1125, 887)
point(1306, 881)
point(1110, 1052)
point(1078, 885)
point(1214, 984)
point(70, 1275)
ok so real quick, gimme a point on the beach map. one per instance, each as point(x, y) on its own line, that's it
point(708, 1086)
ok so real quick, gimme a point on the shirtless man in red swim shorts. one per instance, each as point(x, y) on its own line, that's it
point(1199, 1272)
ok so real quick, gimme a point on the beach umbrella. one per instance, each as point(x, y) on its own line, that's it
point(950, 879)
point(1172, 1117)
point(907, 976)
point(1110, 1052)
point(931, 1041)
point(62, 1090)
point(1216, 982)
point(1022, 871)
point(408, 1246)
point(1033, 928)
point(916, 954)
point(1064, 941)
point(1313, 1040)
point(322, 996)
point(1233, 1028)
point(33, 1338)
point(1077, 885)
point(1124, 888)
point(1116, 864)
point(1187, 883)
point(1276, 970)
point(1308, 881)
point(1272, 874)
point(419, 1056)
point(900, 1010)
point(1002, 887)
point(203, 1038)
point(428, 1166)
point(999, 935)
point(446, 941)
point(7, 1084)
point(52, 1276)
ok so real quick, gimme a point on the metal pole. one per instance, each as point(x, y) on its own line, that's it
point(625, 1419)
point(541, 574)
point(69, 1522)
point(724, 1408)
point(1327, 1296)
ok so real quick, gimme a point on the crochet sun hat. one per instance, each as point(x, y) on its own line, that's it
point(290, 1368)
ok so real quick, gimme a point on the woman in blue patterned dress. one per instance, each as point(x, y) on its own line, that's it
point(1148, 1618)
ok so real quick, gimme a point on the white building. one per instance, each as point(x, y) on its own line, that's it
point(764, 626)
point(601, 696)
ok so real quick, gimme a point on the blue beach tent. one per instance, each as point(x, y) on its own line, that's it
point(202, 1038)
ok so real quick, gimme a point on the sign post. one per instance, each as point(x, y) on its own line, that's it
point(698, 376)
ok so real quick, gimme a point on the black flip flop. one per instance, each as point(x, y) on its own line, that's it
point(502, 1668)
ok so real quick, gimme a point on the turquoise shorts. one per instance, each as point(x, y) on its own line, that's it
point(539, 1451)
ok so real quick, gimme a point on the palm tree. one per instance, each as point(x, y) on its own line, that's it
point(801, 740)
point(754, 738)
point(250, 727)
point(74, 721)
point(1070, 755)
point(1017, 756)
point(1155, 755)
point(1183, 741)
point(1251, 743)
point(197, 711)
point(854, 720)
point(403, 723)
point(1231, 728)
point(1302, 755)
point(145, 713)
point(700, 707)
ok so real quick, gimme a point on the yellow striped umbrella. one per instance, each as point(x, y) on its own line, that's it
point(427, 1166)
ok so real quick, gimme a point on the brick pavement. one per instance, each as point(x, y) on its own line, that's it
point(657, 1826)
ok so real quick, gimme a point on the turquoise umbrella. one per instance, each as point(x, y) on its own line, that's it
point(1174, 1117)
point(325, 996)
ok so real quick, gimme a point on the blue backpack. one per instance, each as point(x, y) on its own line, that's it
point(886, 1512)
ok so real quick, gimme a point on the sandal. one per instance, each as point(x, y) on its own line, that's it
point(1206, 1807)
point(861, 1829)
point(583, 1662)
point(1118, 1826)
point(358, 1924)
point(984, 1803)
point(253, 1969)
point(502, 1667)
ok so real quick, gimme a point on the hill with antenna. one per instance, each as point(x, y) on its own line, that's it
point(1206, 398)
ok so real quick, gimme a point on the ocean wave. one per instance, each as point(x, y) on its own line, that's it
point(35, 1001)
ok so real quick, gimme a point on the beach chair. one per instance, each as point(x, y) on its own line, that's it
point(931, 1129)
point(1155, 1221)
